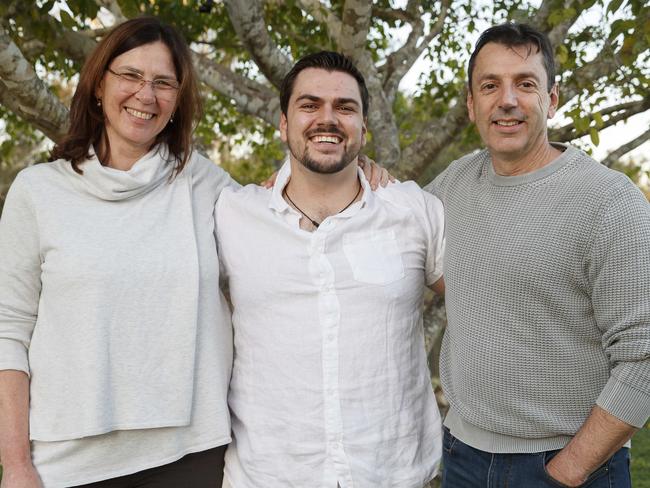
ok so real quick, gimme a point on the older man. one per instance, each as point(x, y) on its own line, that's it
point(546, 359)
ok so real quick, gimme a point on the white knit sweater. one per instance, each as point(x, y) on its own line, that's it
point(109, 300)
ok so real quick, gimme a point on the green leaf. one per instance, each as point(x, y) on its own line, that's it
point(621, 26)
point(581, 124)
point(67, 21)
point(598, 119)
point(593, 134)
point(555, 18)
point(562, 54)
point(614, 5)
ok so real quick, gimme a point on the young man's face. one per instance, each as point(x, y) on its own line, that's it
point(509, 100)
point(324, 126)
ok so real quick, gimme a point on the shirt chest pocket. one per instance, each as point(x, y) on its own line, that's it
point(374, 256)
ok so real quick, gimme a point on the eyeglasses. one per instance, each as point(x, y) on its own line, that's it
point(164, 88)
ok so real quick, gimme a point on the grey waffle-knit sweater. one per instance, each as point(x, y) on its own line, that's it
point(548, 300)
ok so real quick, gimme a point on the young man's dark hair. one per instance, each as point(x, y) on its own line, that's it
point(329, 61)
point(513, 34)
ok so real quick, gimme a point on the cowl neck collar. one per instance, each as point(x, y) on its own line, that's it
point(148, 172)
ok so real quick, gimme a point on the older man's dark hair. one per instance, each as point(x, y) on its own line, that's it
point(513, 34)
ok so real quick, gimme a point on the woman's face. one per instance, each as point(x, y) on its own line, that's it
point(135, 114)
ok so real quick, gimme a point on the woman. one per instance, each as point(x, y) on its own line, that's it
point(109, 295)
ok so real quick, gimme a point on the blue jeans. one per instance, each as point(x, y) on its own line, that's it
point(466, 467)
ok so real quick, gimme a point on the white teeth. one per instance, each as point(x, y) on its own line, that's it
point(332, 139)
point(507, 123)
point(140, 115)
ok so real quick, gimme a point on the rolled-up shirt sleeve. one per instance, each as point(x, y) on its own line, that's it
point(435, 232)
point(618, 267)
point(20, 276)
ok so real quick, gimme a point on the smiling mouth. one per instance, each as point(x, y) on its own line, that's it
point(507, 123)
point(326, 139)
point(138, 114)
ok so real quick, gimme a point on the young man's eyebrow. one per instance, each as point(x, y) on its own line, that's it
point(342, 101)
point(314, 98)
point(311, 98)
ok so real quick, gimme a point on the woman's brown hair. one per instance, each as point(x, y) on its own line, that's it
point(86, 114)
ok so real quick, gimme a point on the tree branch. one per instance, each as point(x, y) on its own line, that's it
point(394, 14)
point(540, 18)
point(25, 94)
point(247, 18)
point(605, 63)
point(113, 7)
point(399, 62)
point(323, 15)
point(417, 156)
point(614, 114)
point(94, 33)
point(355, 26)
point(558, 32)
point(75, 44)
point(617, 154)
point(381, 120)
point(250, 97)
point(50, 129)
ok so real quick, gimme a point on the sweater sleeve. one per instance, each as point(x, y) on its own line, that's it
point(618, 265)
point(20, 270)
point(434, 187)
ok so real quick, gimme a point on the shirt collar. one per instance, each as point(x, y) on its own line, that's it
point(279, 204)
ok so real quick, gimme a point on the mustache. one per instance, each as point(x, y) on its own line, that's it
point(507, 114)
point(325, 129)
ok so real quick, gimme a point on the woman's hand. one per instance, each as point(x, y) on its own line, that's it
point(270, 181)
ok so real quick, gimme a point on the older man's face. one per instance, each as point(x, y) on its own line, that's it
point(510, 102)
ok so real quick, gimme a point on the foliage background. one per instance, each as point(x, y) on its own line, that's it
point(243, 48)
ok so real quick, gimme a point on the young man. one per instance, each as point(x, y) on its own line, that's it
point(330, 385)
point(546, 358)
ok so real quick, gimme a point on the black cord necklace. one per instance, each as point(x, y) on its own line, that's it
point(313, 222)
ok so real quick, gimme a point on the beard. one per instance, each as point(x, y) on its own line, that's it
point(325, 167)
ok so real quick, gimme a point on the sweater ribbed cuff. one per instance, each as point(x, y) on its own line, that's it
point(625, 402)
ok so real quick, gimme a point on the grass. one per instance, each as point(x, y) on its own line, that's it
point(640, 466)
point(640, 453)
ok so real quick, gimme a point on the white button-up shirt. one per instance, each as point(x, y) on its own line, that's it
point(330, 382)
